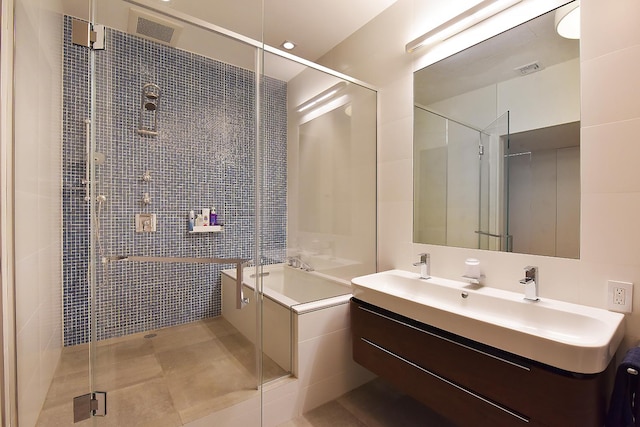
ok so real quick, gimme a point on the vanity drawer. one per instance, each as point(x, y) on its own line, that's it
point(550, 396)
point(459, 405)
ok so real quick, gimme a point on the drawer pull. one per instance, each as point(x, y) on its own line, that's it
point(433, 374)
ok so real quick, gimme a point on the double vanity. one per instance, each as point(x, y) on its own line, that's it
point(482, 356)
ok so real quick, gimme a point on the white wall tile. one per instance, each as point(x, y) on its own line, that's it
point(609, 26)
point(610, 91)
point(400, 131)
point(333, 386)
point(38, 222)
point(395, 181)
point(616, 144)
point(393, 105)
point(610, 231)
point(27, 298)
point(321, 357)
point(322, 322)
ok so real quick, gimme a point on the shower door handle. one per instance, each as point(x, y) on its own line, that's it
point(241, 300)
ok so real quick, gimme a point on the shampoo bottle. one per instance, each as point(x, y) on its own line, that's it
point(192, 220)
point(213, 217)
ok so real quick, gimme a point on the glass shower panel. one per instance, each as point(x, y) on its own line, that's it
point(331, 176)
point(462, 185)
point(493, 215)
point(174, 130)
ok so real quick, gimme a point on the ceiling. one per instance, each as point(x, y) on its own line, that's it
point(494, 60)
point(315, 26)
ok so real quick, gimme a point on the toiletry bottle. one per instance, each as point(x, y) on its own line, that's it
point(205, 216)
point(192, 220)
point(213, 217)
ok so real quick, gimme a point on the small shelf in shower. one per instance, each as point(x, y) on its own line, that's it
point(207, 229)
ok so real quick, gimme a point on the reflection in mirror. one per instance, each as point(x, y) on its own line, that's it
point(497, 145)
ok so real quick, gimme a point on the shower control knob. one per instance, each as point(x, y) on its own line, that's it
point(147, 176)
point(146, 200)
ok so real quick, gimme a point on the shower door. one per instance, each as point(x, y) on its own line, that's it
point(493, 215)
point(174, 138)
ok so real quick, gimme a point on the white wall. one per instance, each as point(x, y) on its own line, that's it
point(610, 187)
point(38, 195)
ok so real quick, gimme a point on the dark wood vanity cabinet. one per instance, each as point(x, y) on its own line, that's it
point(470, 383)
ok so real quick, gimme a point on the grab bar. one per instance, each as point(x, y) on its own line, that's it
point(241, 301)
point(484, 233)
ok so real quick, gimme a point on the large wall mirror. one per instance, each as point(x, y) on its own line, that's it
point(497, 145)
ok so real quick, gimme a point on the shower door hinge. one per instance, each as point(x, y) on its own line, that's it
point(481, 150)
point(89, 405)
point(86, 34)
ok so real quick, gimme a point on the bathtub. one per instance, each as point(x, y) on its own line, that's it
point(288, 292)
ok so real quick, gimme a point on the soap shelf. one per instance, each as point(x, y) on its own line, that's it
point(207, 229)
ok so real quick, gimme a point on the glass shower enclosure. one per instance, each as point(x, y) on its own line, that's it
point(174, 185)
point(193, 161)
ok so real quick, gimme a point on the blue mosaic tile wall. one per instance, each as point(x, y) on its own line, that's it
point(204, 156)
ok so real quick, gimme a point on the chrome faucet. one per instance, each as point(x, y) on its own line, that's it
point(425, 266)
point(297, 262)
point(530, 283)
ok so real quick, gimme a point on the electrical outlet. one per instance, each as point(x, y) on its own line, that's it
point(620, 296)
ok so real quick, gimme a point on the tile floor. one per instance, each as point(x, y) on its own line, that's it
point(375, 404)
point(179, 375)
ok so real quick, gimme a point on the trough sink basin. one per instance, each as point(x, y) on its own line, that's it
point(571, 337)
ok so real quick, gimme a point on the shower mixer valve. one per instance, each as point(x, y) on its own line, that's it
point(146, 223)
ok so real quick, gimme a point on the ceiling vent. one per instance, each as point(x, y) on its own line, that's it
point(153, 28)
point(528, 69)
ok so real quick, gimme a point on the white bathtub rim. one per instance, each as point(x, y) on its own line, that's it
point(311, 306)
point(296, 306)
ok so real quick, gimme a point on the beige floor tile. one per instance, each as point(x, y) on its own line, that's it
point(271, 370)
point(181, 374)
point(145, 404)
point(180, 336)
point(195, 386)
point(333, 414)
point(131, 372)
point(59, 416)
point(378, 404)
point(219, 326)
point(120, 352)
point(191, 358)
point(64, 388)
point(74, 359)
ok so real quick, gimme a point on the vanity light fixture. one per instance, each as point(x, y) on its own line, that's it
point(467, 19)
point(321, 97)
point(567, 20)
point(287, 44)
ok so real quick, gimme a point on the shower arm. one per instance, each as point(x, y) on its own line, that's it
point(241, 301)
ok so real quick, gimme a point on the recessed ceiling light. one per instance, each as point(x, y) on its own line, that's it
point(288, 45)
